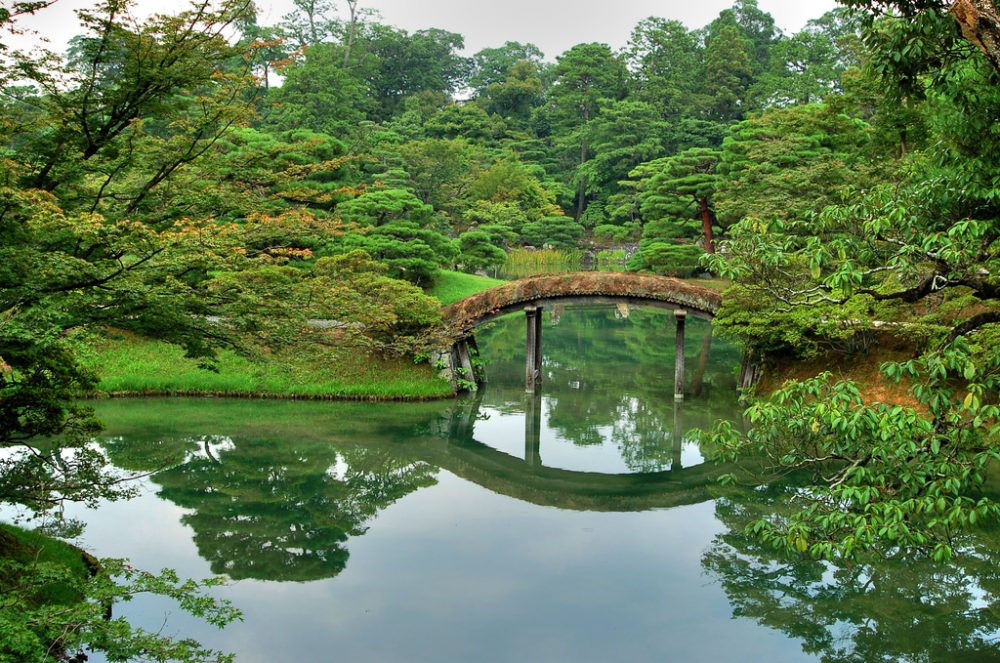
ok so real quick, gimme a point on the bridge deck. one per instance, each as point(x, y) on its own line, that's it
point(582, 287)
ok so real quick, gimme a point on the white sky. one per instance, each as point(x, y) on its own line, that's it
point(552, 25)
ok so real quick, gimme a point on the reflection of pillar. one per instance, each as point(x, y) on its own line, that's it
point(675, 463)
point(533, 430)
point(465, 363)
point(699, 374)
point(474, 348)
point(533, 356)
point(681, 316)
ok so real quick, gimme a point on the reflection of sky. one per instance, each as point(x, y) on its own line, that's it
point(505, 432)
point(454, 572)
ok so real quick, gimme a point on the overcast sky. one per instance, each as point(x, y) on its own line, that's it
point(552, 25)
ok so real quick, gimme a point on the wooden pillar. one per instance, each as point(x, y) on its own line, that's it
point(681, 316)
point(533, 355)
point(533, 430)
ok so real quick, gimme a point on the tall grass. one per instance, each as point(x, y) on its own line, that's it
point(528, 262)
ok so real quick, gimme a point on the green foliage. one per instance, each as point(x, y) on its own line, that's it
point(379, 207)
point(517, 94)
point(409, 251)
point(679, 260)
point(318, 93)
point(132, 104)
point(510, 181)
point(897, 481)
point(791, 161)
point(492, 66)
point(729, 68)
point(479, 251)
point(887, 480)
point(560, 232)
point(408, 64)
point(666, 61)
point(809, 66)
point(43, 630)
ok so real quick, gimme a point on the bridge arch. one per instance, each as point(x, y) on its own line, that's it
point(533, 294)
point(581, 287)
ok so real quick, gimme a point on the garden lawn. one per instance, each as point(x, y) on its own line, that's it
point(130, 365)
point(450, 287)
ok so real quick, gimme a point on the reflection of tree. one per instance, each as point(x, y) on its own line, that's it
point(279, 510)
point(893, 610)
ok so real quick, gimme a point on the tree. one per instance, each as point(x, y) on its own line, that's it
point(758, 26)
point(310, 23)
point(681, 187)
point(107, 109)
point(492, 66)
point(560, 232)
point(804, 68)
point(584, 77)
point(378, 207)
point(517, 95)
point(729, 69)
point(479, 250)
point(790, 161)
point(889, 480)
point(441, 172)
point(665, 61)
point(411, 252)
point(405, 64)
point(927, 22)
point(625, 134)
point(318, 94)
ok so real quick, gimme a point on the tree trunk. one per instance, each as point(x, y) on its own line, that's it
point(706, 225)
point(980, 23)
point(352, 6)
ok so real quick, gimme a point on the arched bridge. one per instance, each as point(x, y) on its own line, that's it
point(533, 294)
point(582, 287)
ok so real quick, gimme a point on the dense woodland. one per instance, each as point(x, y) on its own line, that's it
point(211, 182)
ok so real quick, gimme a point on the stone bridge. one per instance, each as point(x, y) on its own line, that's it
point(533, 294)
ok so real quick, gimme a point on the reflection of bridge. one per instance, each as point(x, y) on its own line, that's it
point(528, 480)
point(533, 294)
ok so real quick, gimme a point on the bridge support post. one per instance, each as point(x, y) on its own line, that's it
point(533, 355)
point(681, 317)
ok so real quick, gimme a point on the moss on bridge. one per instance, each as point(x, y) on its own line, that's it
point(471, 311)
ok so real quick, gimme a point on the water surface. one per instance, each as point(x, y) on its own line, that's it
point(583, 525)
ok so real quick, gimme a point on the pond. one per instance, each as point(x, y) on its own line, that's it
point(584, 524)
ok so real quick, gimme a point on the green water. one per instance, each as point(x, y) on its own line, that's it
point(584, 525)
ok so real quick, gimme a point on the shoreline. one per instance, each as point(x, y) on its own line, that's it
point(262, 396)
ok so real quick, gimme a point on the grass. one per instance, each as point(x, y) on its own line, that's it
point(451, 287)
point(529, 262)
point(130, 365)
